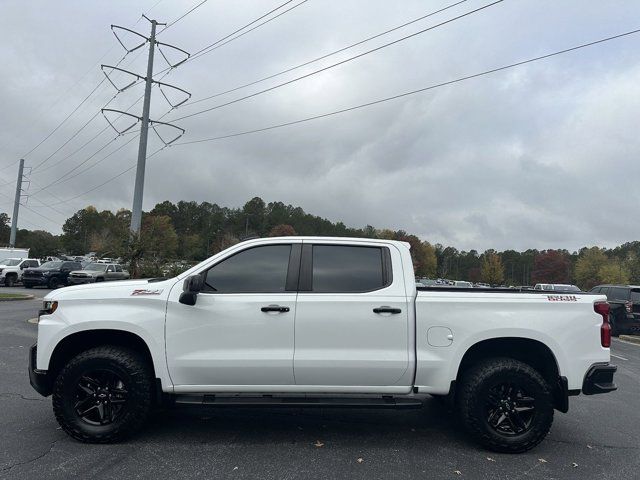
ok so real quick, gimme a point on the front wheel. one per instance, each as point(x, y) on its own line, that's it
point(103, 395)
point(506, 405)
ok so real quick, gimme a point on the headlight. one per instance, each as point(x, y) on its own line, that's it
point(48, 307)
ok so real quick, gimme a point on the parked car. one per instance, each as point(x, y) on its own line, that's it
point(556, 287)
point(625, 307)
point(98, 272)
point(462, 284)
point(223, 333)
point(11, 269)
point(50, 274)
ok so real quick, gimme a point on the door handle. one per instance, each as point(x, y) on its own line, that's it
point(385, 309)
point(274, 308)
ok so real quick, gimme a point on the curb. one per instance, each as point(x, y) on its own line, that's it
point(630, 338)
point(17, 297)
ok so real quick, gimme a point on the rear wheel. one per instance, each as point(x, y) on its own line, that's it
point(53, 283)
point(103, 395)
point(506, 405)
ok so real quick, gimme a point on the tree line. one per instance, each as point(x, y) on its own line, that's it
point(192, 231)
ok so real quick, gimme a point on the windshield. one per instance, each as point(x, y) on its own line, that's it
point(97, 267)
point(51, 265)
point(11, 262)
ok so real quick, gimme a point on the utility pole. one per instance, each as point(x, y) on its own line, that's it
point(16, 205)
point(136, 211)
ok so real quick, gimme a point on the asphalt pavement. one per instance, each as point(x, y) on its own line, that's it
point(598, 439)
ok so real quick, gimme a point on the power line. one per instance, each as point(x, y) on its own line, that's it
point(108, 180)
point(413, 92)
point(193, 102)
point(431, 87)
point(171, 24)
point(342, 62)
point(203, 50)
point(90, 140)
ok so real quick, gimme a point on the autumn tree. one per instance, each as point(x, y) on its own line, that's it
point(491, 269)
point(589, 266)
point(282, 230)
point(551, 266)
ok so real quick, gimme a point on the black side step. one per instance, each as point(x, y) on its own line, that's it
point(270, 401)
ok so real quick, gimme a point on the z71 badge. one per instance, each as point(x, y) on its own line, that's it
point(562, 298)
point(144, 291)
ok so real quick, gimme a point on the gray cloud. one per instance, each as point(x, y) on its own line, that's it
point(542, 156)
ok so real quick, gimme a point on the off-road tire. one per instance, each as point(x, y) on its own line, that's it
point(139, 383)
point(473, 395)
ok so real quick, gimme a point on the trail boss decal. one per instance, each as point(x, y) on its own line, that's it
point(144, 291)
point(562, 298)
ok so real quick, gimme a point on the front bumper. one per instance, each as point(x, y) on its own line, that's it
point(39, 379)
point(599, 379)
point(80, 280)
point(35, 280)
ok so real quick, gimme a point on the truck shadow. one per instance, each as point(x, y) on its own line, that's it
point(344, 426)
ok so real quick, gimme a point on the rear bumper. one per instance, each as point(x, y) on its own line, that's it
point(599, 379)
point(39, 379)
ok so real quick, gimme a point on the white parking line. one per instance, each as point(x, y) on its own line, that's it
point(618, 356)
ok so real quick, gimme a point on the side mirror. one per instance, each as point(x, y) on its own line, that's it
point(191, 287)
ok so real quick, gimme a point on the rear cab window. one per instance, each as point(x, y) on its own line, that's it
point(618, 293)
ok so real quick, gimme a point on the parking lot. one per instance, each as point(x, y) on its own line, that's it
point(599, 438)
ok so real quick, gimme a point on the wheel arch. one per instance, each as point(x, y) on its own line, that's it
point(533, 352)
point(77, 342)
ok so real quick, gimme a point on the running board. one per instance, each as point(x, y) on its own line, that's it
point(270, 401)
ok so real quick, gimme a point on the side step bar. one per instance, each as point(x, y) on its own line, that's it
point(270, 401)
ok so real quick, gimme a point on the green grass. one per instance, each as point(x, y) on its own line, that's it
point(4, 296)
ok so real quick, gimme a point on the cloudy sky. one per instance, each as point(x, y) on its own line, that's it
point(545, 155)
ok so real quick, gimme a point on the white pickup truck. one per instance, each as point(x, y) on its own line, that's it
point(11, 269)
point(306, 321)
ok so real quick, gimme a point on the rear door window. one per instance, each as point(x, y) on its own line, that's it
point(348, 269)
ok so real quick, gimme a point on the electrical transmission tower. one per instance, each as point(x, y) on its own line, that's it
point(145, 121)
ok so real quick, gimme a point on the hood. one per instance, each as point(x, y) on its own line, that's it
point(110, 290)
point(40, 269)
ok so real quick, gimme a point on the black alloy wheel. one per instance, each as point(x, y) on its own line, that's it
point(509, 409)
point(53, 283)
point(505, 404)
point(104, 394)
point(101, 396)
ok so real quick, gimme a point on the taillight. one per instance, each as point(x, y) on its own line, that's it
point(628, 306)
point(602, 308)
